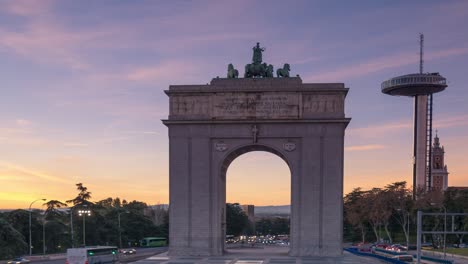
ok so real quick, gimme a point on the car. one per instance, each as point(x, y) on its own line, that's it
point(382, 246)
point(129, 251)
point(397, 248)
point(19, 260)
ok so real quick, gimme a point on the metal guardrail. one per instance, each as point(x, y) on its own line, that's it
point(386, 259)
point(417, 79)
point(436, 260)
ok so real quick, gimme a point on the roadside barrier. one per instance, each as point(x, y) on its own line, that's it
point(386, 259)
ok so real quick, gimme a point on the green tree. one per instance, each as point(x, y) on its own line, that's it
point(52, 211)
point(236, 220)
point(456, 201)
point(12, 242)
point(57, 238)
point(83, 196)
point(19, 220)
point(264, 226)
point(355, 211)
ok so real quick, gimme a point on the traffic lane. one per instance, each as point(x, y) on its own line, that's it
point(141, 253)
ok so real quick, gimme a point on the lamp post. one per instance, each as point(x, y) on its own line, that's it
point(30, 239)
point(445, 231)
point(84, 213)
point(43, 235)
point(71, 225)
point(120, 230)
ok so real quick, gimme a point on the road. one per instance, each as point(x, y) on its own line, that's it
point(141, 253)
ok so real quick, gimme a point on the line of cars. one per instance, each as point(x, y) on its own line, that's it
point(393, 251)
point(391, 247)
point(88, 252)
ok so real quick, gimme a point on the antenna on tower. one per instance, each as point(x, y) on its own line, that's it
point(421, 52)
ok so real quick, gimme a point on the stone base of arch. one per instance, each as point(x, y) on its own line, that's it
point(204, 140)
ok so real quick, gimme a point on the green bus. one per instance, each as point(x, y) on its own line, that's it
point(153, 242)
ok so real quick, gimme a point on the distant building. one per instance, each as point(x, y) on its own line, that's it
point(439, 170)
point(249, 210)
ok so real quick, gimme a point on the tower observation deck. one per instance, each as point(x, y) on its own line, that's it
point(415, 84)
point(421, 86)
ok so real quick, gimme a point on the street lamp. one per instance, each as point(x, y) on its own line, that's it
point(84, 213)
point(445, 227)
point(71, 225)
point(30, 239)
point(120, 230)
point(43, 234)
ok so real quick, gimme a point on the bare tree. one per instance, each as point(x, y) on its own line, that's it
point(401, 202)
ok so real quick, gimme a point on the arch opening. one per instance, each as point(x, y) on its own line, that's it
point(257, 180)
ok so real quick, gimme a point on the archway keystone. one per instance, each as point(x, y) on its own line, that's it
point(210, 125)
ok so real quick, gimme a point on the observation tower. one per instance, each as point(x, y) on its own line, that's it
point(421, 86)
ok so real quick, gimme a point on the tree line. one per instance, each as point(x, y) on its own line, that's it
point(238, 223)
point(369, 215)
point(388, 213)
point(59, 219)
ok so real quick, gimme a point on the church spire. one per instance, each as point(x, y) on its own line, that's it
point(436, 141)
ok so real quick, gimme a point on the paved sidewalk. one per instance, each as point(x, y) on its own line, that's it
point(259, 256)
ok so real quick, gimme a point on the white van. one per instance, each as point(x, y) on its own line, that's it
point(92, 255)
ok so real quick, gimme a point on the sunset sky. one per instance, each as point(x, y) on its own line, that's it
point(81, 88)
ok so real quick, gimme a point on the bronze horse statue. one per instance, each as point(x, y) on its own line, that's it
point(255, 70)
point(232, 73)
point(283, 72)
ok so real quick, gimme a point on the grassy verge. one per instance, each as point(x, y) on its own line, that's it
point(457, 251)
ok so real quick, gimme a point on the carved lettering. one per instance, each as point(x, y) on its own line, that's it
point(256, 105)
point(190, 105)
point(321, 103)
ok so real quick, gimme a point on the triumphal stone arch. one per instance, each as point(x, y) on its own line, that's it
point(210, 125)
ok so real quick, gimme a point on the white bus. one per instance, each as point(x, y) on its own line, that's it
point(92, 255)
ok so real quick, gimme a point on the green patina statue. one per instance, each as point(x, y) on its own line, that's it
point(284, 72)
point(258, 68)
point(232, 73)
point(269, 71)
point(257, 54)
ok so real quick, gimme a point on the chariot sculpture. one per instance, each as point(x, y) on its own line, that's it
point(258, 68)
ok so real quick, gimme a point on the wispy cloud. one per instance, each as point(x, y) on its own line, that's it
point(33, 173)
point(166, 71)
point(75, 144)
point(23, 122)
point(379, 130)
point(382, 63)
point(143, 132)
point(21, 135)
point(43, 38)
point(451, 121)
point(365, 147)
